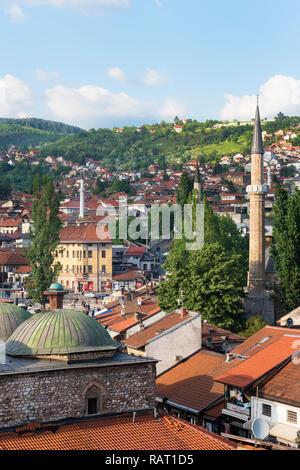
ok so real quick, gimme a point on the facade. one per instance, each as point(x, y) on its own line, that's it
point(85, 259)
point(168, 340)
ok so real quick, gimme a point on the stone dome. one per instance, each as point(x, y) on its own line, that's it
point(60, 332)
point(11, 317)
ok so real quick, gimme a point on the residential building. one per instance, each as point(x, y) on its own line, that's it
point(86, 260)
point(261, 380)
point(169, 339)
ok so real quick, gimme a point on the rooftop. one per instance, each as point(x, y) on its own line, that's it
point(191, 382)
point(139, 340)
point(115, 433)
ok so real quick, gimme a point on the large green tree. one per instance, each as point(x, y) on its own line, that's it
point(44, 238)
point(210, 281)
point(285, 249)
point(213, 277)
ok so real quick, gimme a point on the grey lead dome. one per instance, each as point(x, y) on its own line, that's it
point(11, 317)
point(59, 332)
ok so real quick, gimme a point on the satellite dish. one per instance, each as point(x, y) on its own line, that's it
point(260, 428)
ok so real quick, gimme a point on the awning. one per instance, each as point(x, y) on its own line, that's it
point(284, 432)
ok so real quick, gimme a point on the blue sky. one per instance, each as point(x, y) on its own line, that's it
point(101, 63)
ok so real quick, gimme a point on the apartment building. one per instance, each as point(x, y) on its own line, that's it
point(86, 259)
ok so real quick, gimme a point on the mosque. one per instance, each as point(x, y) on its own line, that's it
point(63, 364)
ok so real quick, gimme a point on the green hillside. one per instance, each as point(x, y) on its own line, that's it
point(32, 131)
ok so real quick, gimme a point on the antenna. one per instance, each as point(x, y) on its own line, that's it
point(260, 428)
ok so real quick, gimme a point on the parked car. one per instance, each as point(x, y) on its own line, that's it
point(90, 294)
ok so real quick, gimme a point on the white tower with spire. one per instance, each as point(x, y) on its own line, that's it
point(81, 212)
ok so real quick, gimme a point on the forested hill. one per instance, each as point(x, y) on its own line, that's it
point(136, 148)
point(32, 131)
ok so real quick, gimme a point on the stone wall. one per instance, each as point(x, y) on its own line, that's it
point(58, 394)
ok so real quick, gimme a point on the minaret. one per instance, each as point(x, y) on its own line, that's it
point(81, 213)
point(197, 184)
point(257, 191)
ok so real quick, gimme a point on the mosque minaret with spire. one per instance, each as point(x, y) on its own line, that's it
point(257, 191)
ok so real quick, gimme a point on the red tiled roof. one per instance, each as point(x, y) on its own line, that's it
point(135, 251)
point(23, 270)
point(191, 382)
point(9, 222)
point(161, 326)
point(260, 363)
point(216, 333)
point(117, 433)
point(83, 234)
point(284, 386)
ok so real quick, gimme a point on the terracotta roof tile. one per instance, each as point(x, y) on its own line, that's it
point(284, 386)
point(260, 363)
point(82, 234)
point(161, 326)
point(191, 382)
point(117, 433)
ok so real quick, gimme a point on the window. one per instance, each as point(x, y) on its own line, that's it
point(103, 268)
point(73, 254)
point(90, 254)
point(291, 416)
point(92, 406)
point(67, 254)
point(103, 254)
point(93, 400)
point(90, 268)
point(266, 410)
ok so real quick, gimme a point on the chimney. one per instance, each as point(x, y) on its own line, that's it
point(56, 296)
point(183, 311)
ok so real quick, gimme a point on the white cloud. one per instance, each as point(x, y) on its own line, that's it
point(98, 7)
point(92, 106)
point(15, 97)
point(158, 3)
point(279, 93)
point(16, 13)
point(116, 73)
point(172, 108)
point(42, 75)
point(153, 77)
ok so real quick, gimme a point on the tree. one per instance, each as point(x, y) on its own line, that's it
point(118, 186)
point(285, 249)
point(210, 281)
point(44, 238)
point(253, 325)
point(288, 171)
point(280, 117)
point(185, 188)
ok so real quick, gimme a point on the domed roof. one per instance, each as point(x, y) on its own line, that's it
point(59, 332)
point(56, 286)
point(11, 317)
